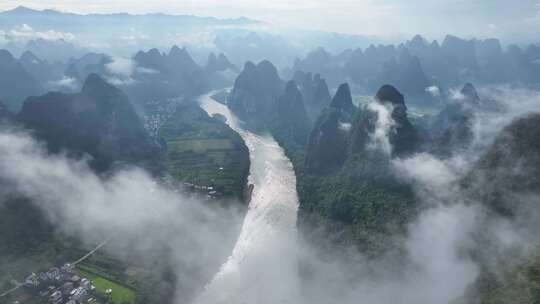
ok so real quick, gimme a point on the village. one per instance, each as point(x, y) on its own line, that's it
point(59, 285)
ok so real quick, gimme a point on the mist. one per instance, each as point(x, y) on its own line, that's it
point(149, 222)
point(452, 240)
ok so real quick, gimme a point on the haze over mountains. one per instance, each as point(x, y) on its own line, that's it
point(218, 161)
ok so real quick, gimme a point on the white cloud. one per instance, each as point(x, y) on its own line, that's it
point(65, 82)
point(121, 66)
point(434, 91)
point(345, 126)
point(383, 126)
point(143, 70)
point(26, 32)
point(121, 71)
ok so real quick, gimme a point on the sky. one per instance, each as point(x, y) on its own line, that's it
point(511, 20)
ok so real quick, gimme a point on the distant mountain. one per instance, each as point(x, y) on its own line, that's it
point(90, 63)
point(407, 74)
point(99, 121)
point(219, 63)
point(321, 62)
point(53, 18)
point(159, 76)
point(255, 93)
point(417, 64)
point(54, 50)
point(176, 62)
point(16, 83)
point(314, 91)
point(41, 70)
point(177, 66)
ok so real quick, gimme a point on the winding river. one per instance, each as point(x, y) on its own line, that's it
point(263, 265)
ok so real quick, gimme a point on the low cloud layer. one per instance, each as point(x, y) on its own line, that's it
point(147, 220)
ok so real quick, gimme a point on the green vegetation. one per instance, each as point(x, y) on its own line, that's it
point(120, 294)
point(108, 273)
point(517, 284)
point(204, 151)
point(361, 203)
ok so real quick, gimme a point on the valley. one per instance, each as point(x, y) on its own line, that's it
point(257, 152)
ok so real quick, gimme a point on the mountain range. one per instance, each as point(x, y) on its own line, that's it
point(417, 64)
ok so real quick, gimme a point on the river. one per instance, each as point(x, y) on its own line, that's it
point(262, 267)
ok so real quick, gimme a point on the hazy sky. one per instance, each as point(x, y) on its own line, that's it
point(512, 20)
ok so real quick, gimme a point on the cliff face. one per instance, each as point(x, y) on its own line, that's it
point(256, 90)
point(99, 121)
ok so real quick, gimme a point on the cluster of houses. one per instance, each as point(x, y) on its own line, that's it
point(163, 111)
point(60, 286)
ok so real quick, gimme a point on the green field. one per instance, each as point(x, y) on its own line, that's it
point(120, 293)
point(204, 151)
